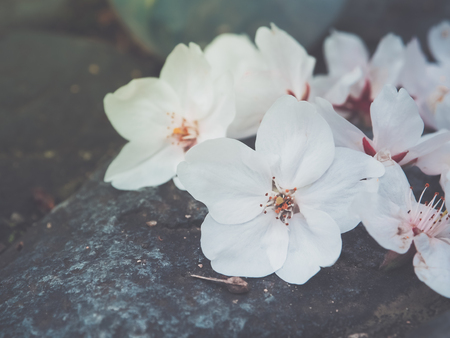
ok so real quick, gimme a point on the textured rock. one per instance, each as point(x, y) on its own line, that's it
point(53, 130)
point(98, 265)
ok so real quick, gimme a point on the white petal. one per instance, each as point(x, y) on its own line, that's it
point(429, 144)
point(432, 263)
point(216, 123)
point(436, 161)
point(314, 242)
point(178, 184)
point(442, 113)
point(396, 122)
point(302, 139)
point(286, 57)
point(255, 93)
point(190, 76)
point(139, 109)
point(235, 53)
point(439, 41)
point(385, 214)
point(229, 177)
point(335, 191)
point(336, 89)
point(253, 249)
point(344, 52)
point(345, 133)
point(414, 70)
point(155, 170)
point(386, 63)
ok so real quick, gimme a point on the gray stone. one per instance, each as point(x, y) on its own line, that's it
point(112, 263)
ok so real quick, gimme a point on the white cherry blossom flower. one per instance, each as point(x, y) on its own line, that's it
point(163, 118)
point(429, 84)
point(278, 66)
point(397, 129)
point(354, 80)
point(395, 220)
point(439, 41)
point(282, 207)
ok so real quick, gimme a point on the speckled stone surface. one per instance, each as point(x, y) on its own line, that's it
point(95, 268)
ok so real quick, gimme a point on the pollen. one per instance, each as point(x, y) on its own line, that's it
point(177, 131)
point(279, 200)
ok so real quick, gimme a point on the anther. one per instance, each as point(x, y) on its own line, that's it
point(427, 185)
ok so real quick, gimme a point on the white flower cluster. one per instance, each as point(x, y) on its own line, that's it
point(313, 175)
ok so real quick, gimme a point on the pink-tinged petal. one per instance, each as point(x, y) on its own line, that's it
point(396, 122)
point(314, 242)
point(157, 169)
point(301, 138)
point(386, 63)
point(414, 73)
point(431, 148)
point(345, 133)
point(334, 192)
point(439, 41)
point(344, 52)
point(235, 53)
point(229, 177)
point(432, 263)
point(288, 60)
point(256, 248)
point(385, 213)
point(216, 123)
point(189, 74)
point(255, 93)
point(139, 109)
point(336, 89)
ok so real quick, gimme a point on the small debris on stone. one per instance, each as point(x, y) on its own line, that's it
point(235, 301)
point(184, 237)
point(19, 246)
point(358, 335)
point(408, 322)
point(160, 238)
point(151, 223)
point(44, 201)
point(17, 218)
point(265, 290)
point(188, 216)
point(138, 261)
point(49, 225)
point(200, 266)
point(87, 247)
point(233, 284)
point(94, 69)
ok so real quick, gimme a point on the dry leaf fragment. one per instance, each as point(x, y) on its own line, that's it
point(233, 284)
point(151, 223)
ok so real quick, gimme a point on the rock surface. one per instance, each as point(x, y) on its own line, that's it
point(112, 263)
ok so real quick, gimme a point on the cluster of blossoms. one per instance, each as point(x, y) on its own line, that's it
point(281, 208)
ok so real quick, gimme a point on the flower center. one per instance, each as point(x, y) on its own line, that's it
point(185, 134)
point(282, 202)
point(427, 217)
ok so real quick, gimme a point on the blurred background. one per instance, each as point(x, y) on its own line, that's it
point(58, 59)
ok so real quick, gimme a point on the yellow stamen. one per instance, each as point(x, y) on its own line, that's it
point(279, 200)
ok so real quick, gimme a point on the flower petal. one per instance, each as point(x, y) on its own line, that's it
point(189, 74)
point(344, 52)
point(439, 41)
point(314, 242)
point(385, 214)
point(335, 191)
point(139, 109)
point(287, 58)
point(396, 122)
point(414, 71)
point(442, 113)
point(235, 53)
point(386, 63)
point(301, 138)
point(253, 249)
point(432, 263)
point(345, 133)
point(428, 145)
point(229, 177)
point(157, 169)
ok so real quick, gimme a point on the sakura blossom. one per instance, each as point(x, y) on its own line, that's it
point(429, 83)
point(164, 117)
point(354, 79)
point(397, 129)
point(396, 221)
point(276, 66)
point(282, 207)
